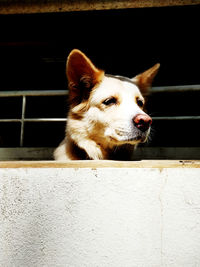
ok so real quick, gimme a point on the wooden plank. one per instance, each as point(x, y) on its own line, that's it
point(38, 6)
point(92, 164)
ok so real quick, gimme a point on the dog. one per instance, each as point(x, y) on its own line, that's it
point(106, 112)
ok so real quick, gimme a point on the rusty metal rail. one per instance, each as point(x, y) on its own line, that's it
point(25, 94)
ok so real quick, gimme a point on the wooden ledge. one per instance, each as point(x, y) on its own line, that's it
point(160, 164)
point(45, 6)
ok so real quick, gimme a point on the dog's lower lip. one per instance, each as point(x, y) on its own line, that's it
point(138, 138)
point(132, 139)
point(112, 139)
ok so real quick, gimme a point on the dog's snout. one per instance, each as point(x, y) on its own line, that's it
point(142, 122)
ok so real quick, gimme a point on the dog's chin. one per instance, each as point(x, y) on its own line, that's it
point(122, 140)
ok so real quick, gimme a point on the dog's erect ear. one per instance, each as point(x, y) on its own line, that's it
point(144, 80)
point(82, 76)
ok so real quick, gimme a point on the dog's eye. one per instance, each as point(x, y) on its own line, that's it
point(140, 103)
point(110, 101)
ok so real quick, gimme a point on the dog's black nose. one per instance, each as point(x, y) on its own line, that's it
point(142, 122)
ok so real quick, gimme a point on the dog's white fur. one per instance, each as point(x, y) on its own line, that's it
point(95, 128)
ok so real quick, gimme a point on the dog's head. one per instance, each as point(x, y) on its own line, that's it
point(110, 107)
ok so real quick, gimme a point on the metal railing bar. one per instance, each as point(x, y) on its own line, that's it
point(22, 121)
point(45, 120)
point(157, 89)
point(35, 120)
point(175, 89)
point(33, 93)
point(10, 120)
point(177, 118)
point(154, 118)
point(24, 94)
point(64, 119)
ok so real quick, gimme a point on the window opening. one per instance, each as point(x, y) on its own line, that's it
point(23, 119)
point(155, 148)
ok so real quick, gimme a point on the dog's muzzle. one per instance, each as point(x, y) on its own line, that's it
point(137, 133)
point(142, 122)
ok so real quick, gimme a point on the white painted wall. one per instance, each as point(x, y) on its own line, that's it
point(127, 217)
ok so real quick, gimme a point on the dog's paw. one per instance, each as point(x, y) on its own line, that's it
point(95, 153)
point(60, 152)
point(92, 149)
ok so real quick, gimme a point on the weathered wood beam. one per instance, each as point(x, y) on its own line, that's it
point(46, 6)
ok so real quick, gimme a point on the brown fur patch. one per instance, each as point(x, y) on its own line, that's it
point(78, 111)
point(145, 79)
point(82, 76)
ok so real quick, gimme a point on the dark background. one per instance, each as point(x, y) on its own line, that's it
point(34, 48)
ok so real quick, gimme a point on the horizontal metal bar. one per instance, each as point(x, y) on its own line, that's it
point(11, 120)
point(175, 89)
point(64, 119)
point(33, 93)
point(34, 120)
point(177, 118)
point(158, 89)
point(45, 120)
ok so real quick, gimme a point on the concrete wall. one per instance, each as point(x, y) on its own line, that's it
point(125, 217)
